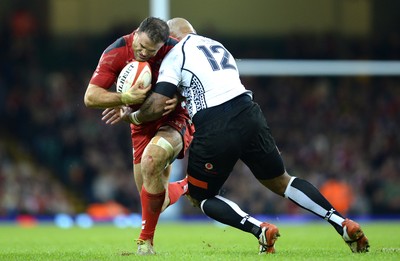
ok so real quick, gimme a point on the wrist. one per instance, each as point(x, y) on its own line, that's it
point(126, 98)
point(134, 119)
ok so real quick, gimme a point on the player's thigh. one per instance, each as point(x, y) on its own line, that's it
point(260, 153)
point(161, 150)
point(265, 164)
point(211, 160)
point(137, 172)
point(173, 137)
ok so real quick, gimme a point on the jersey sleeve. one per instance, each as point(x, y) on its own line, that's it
point(103, 76)
point(110, 64)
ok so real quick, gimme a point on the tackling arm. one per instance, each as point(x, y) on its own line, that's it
point(153, 107)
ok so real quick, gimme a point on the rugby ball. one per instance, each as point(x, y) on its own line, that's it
point(131, 73)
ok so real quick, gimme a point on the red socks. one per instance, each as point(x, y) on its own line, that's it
point(176, 190)
point(151, 209)
point(152, 204)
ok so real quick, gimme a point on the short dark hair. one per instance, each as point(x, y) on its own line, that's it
point(155, 28)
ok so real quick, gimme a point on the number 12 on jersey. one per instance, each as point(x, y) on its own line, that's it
point(213, 49)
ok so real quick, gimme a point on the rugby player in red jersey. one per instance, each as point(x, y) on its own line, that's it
point(155, 144)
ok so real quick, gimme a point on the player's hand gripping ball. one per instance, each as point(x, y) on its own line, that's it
point(133, 72)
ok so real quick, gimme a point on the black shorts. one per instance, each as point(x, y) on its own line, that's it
point(224, 134)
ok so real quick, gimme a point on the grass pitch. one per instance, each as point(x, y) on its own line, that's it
point(193, 241)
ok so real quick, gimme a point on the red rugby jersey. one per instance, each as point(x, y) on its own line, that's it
point(120, 53)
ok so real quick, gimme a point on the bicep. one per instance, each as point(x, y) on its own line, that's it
point(162, 92)
point(153, 106)
point(155, 103)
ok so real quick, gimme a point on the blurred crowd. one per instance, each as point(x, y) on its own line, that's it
point(56, 155)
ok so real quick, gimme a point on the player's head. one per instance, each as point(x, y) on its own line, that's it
point(180, 27)
point(149, 38)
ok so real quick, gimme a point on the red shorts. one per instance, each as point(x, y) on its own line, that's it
point(142, 134)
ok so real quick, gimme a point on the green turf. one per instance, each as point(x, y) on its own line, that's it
point(193, 241)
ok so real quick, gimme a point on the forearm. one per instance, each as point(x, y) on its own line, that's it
point(152, 109)
point(97, 97)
